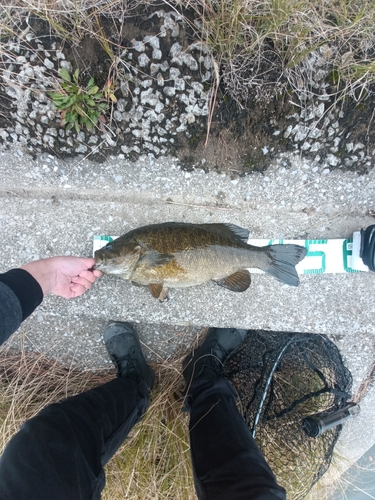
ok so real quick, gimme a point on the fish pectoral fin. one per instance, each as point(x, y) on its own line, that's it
point(159, 292)
point(155, 290)
point(237, 282)
point(155, 259)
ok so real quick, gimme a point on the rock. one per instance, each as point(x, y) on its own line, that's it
point(138, 46)
point(157, 54)
point(143, 60)
point(169, 91)
point(153, 41)
point(48, 63)
point(81, 149)
point(332, 160)
point(154, 68)
point(81, 136)
point(66, 65)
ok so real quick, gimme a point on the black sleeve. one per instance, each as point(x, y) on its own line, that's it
point(20, 295)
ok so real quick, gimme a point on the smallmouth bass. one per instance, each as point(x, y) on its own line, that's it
point(177, 255)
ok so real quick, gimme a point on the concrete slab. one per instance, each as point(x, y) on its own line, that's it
point(54, 207)
point(42, 216)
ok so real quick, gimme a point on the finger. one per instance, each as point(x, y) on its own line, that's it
point(88, 275)
point(77, 289)
point(82, 281)
point(97, 273)
point(88, 261)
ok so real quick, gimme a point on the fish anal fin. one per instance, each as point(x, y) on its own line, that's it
point(158, 291)
point(237, 282)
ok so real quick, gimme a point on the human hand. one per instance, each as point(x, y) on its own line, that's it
point(64, 276)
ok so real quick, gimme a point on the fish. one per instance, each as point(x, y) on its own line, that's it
point(181, 254)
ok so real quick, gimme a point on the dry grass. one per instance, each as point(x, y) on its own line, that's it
point(265, 42)
point(30, 381)
point(154, 463)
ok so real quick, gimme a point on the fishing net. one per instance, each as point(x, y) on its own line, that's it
point(280, 379)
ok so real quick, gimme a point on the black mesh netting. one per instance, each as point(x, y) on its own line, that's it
point(281, 378)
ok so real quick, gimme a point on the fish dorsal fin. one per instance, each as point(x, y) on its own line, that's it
point(155, 289)
point(237, 282)
point(229, 229)
point(155, 259)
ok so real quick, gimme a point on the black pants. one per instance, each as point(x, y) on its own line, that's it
point(60, 453)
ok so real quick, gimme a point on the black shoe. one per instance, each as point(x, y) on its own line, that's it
point(125, 351)
point(207, 361)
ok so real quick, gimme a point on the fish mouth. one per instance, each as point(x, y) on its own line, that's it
point(98, 264)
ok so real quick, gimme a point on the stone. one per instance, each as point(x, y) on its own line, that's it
point(179, 84)
point(169, 91)
point(152, 40)
point(175, 52)
point(189, 60)
point(138, 46)
point(319, 111)
point(157, 54)
point(118, 116)
point(49, 140)
point(154, 68)
point(81, 149)
point(146, 83)
point(164, 66)
point(174, 73)
point(66, 65)
point(48, 63)
point(143, 60)
point(332, 160)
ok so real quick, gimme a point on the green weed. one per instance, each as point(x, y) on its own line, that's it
point(79, 107)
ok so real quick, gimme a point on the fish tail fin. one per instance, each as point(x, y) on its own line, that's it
point(284, 258)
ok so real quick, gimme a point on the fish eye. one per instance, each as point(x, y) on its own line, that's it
point(108, 247)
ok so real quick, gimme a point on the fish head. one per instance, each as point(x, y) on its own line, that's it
point(118, 257)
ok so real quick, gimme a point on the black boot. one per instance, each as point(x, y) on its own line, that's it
point(207, 361)
point(125, 351)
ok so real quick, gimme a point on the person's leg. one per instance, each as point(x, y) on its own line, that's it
point(227, 463)
point(60, 453)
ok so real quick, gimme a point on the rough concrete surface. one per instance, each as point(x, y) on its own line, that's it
point(53, 207)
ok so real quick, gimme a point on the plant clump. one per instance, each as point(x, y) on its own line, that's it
point(79, 107)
